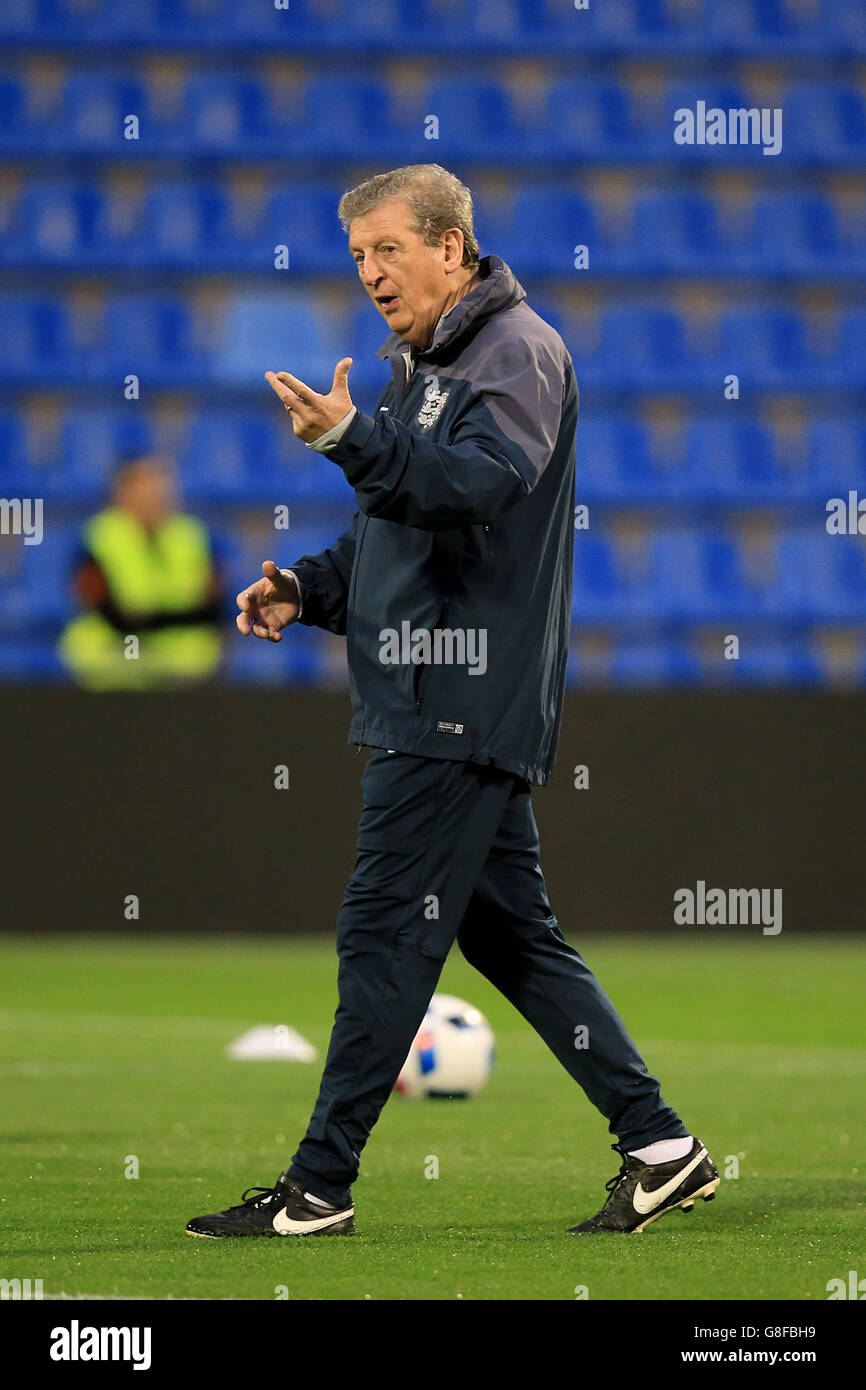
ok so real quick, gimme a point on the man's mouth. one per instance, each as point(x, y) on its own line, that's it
point(386, 302)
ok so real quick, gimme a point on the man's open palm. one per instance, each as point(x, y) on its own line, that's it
point(269, 605)
point(312, 414)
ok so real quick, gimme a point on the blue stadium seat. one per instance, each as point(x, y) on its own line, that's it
point(35, 338)
point(25, 657)
point(93, 439)
point(824, 121)
point(148, 334)
point(696, 577)
point(94, 107)
point(232, 457)
point(284, 547)
point(615, 464)
point(360, 336)
point(819, 578)
point(645, 347)
point(767, 662)
point(685, 575)
point(15, 479)
point(304, 218)
point(653, 24)
point(544, 230)
point(271, 331)
point(13, 593)
point(731, 460)
point(184, 224)
point(667, 27)
point(22, 19)
point(21, 133)
point(309, 477)
point(302, 25)
point(46, 571)
point(145, 22)
point(591, 119)
point(204, 24)
point(493, 222)
point(476, 120)
point(498, 22)
point(843, 24)
point(364, 332)
point(745, 25)
point(53, 223)
point(766, 346)
point(850, 364)
point(227, 115)
point(596, 578)
point(657, 661)
point(713, 91)
point(837, 456)
point(347, 116)
point(801, 233)
point(850, 558)
point(678, 232)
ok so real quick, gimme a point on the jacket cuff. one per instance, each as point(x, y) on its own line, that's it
point(290, 574)
point(326, 442)
point(350, 448)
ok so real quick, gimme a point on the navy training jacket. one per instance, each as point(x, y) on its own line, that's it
point(453, 583)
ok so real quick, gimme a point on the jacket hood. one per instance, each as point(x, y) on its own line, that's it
point(499, 289)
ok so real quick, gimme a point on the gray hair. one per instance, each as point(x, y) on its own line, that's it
point(439, 201)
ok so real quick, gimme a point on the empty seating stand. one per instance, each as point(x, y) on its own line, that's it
point(169, 180)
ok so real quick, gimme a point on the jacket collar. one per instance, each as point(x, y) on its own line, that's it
point(498, 289)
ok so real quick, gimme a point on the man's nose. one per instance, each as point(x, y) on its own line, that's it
point(370, 272)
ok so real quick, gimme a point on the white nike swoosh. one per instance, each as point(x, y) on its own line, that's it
point(645, 1202)
point(285, 1226)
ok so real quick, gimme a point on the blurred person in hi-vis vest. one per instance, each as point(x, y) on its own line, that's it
point(145, 571)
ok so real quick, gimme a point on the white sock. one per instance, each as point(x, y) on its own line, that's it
point(664, 1150)
point(317, 1201)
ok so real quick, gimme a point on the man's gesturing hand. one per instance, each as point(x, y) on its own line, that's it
point(312, 414)
point(269, 605)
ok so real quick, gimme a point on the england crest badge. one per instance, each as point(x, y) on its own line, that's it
point(434, 404)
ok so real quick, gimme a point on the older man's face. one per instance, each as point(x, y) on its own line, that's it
point(410, 283)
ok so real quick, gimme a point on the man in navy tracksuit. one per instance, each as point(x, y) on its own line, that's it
point(453, 588)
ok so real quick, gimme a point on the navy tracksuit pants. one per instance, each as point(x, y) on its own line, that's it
point(449, 850)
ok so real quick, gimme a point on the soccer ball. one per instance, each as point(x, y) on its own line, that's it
point(452, 1055)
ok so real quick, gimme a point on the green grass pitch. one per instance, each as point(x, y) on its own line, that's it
point(114, 1048)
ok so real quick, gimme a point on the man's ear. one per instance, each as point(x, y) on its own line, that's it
point(453, 246)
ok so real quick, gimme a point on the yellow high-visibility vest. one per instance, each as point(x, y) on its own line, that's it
point(168, 570)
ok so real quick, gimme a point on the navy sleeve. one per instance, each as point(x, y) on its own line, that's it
point(324, 581)
point(497, 450)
